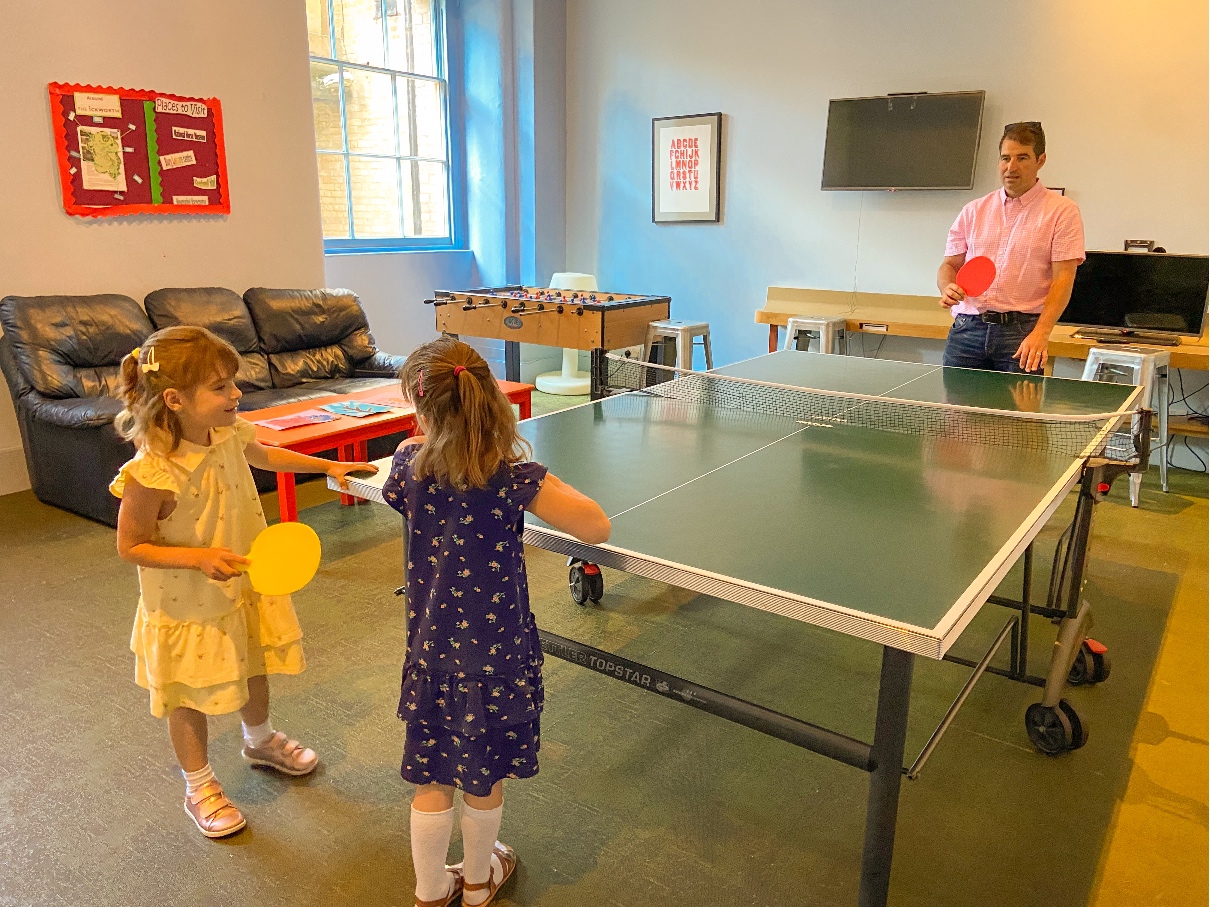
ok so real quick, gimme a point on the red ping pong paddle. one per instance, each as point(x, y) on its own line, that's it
point(976, 275)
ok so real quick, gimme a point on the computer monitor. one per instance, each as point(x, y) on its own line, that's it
point(1130, 295)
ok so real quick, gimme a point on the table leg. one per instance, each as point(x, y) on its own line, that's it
point(524, 406)
point(347, 453)
point(599, 370)
point(287, 503)
point(772, 338)
point(512, 360)
point(882, 811)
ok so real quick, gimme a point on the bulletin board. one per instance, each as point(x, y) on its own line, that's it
point(130, 151)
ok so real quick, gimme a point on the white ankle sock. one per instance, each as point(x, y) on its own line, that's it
point(259, 735)
point(194, 780)
point(430, 844)
point(479, 830)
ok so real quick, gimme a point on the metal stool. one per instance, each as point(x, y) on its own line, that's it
point(1146, 368)
point(828, 329)
point(683, 333)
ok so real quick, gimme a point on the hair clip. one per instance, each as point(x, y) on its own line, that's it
point(420, 383)
point(150, 365)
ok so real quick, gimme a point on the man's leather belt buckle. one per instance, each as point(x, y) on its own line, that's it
point(1000, 317)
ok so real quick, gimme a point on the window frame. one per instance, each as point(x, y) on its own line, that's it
point(352, 244)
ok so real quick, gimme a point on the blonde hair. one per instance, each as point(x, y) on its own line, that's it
point(182, 357)
point(470, 428)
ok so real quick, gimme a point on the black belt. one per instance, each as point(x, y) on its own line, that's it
point(1003, 317)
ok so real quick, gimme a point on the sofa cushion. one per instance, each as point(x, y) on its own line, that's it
point(309, 390)
point(72, 346)
point(221, 311)
point(75, 412)
point(310, 334)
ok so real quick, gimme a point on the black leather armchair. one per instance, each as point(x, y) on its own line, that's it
point(60, 356)
point(316, 335)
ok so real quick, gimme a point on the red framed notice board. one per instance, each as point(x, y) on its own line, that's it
point(129, 151)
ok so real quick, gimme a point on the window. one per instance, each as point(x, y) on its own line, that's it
point(380, 100)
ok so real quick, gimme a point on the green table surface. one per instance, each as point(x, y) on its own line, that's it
point(890, 527)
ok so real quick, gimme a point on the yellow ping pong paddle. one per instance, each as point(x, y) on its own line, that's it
point(283, 558)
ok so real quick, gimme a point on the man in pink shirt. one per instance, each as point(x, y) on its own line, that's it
point(1036, 238)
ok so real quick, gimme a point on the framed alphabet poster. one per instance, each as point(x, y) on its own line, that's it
point(132, 151)
point(686, 176)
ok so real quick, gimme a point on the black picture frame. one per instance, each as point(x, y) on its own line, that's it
point(686, 179)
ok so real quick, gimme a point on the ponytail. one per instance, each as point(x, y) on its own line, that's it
point(128, 393)
point(470, 428)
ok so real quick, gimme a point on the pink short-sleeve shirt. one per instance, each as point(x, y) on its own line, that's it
point(1024, 237)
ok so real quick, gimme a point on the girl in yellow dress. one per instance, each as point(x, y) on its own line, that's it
point(203, 639)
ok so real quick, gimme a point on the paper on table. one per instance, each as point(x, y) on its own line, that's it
point(281, 423)
point(355, 409)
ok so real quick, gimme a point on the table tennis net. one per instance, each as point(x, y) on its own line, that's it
point(1070, 435)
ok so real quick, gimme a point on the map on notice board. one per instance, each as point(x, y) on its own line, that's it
point(130, 151)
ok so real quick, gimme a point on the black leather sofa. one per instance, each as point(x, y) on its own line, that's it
point(60, 356)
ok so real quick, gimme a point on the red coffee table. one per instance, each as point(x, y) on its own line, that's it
point(348, 434)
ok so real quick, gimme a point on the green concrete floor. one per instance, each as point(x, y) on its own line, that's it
point(639, 801)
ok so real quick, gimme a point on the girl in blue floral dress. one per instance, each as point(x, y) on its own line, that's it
point(472, 674)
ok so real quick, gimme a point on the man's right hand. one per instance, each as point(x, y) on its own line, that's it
point(219, 564)
point(951, 296)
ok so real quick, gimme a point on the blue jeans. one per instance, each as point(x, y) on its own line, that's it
point(972, 343)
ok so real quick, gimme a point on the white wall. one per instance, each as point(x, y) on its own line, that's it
point(253, 58)
point(393, 287)
point(1120, 87)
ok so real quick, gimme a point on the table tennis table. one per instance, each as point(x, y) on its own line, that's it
point(883, 500)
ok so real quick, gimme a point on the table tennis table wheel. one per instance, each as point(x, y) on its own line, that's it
point(1091, 664)
point(585, 582)
point(1055, 729)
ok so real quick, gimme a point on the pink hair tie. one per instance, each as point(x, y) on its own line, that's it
point(458, 370)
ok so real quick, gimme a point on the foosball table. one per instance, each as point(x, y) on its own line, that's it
point(572, 319)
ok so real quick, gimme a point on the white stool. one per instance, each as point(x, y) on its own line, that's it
point(683, 332)
point(569, 380)
point(828, 329)
point(1146, 368)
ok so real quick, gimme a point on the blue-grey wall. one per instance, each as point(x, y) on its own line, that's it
point(1120, 87)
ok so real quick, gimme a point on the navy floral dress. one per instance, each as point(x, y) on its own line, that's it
point(472, 674)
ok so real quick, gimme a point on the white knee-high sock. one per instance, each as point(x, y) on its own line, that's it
point(479, 830)
point(430, 843)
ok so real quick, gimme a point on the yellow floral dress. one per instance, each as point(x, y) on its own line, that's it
point(196, 641)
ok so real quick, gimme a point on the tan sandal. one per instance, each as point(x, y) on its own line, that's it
point(283, 754)
point(508, 862)
point(214, 815)
point(455, 891)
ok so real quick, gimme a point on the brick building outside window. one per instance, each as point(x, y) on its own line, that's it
point(380, 99)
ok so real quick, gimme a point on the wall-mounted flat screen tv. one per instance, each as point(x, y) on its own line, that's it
point(1140, 291)
point(903, 141)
